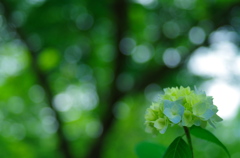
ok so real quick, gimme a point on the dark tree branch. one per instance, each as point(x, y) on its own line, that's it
point(120, 16)
point(42, 79)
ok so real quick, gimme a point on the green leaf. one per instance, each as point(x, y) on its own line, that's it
point(206, 135)
point(178, 149)
point(48, 59)
point(149, 150)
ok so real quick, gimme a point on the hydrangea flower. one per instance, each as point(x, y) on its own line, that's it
point(181, 106)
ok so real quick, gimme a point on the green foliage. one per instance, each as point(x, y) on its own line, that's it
point(86, 78)
point(48, 59)
point(206, 135)
point(149, 150)
point(178, 149)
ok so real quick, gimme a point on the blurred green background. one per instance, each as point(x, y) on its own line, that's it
point(77, 76)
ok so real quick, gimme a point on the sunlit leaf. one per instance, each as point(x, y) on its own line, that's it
point(149, 150)
point(206, 135)
point(48, 59)
point(178, 149)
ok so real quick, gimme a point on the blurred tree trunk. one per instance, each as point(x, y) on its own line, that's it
point(119, 10)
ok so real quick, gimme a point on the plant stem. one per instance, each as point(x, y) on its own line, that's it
point(188, 138)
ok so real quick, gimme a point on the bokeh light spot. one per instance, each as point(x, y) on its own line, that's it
point(73, 54)
point(185, 4)
point(84, 21)
point(127, 45)
point(226, 97)
point(94, 129)
point(16, 104)
point(171, 29)
point(197, 35)
point(36, 93)
point(141, 54)
point(152, 92)
point(63, 102)
point(171, 57)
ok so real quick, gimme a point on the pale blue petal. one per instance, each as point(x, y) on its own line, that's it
point(163, 130)
point(168, 112)
point(208, 114)
point(178, 108)
point(173, 110)
point(175, 119)
point(197, 122)
point(167, 104)
point(198, 91)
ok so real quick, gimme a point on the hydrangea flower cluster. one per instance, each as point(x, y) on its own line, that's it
point(181, 106)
